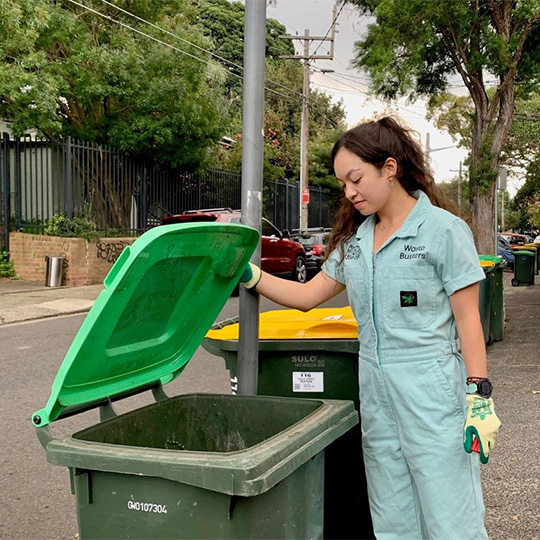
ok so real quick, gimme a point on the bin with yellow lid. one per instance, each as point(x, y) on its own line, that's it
point(535, 248)
point(312, 355)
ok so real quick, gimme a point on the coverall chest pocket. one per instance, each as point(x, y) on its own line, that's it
point(408, 296)
point(357, 281)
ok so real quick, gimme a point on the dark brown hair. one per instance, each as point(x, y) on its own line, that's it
point(374, 142)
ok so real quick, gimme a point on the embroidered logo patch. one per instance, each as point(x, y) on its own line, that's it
point(353, 253)
point(408, 298)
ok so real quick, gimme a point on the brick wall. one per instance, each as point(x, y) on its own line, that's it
point(85, 263)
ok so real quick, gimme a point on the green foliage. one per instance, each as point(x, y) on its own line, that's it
point(527, 199)
point(321, 169)
point(451, 189)
point(418, 45)
point(80, 226)
point(482, 175)
point(67, 71)
point(7, 270)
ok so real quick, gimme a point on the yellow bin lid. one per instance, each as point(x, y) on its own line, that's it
point(486, 264)
point(282, 324)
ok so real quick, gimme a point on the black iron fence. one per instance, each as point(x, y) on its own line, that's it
point(41, 179)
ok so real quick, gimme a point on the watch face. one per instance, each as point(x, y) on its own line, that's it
point(485, 388)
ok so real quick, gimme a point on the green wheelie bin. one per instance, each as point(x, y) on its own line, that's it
point(314, 355)
point(485, 298)
point(524, 263)
point(190, 466)
point(536, 250)
point(492, 310)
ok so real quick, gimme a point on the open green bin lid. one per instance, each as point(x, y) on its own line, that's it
point(161, 296)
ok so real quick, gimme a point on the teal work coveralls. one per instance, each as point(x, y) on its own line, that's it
point(421, 482)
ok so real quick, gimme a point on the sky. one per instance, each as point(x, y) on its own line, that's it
point(352, 86)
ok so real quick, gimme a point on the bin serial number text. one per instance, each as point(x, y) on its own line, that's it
point(147, 507)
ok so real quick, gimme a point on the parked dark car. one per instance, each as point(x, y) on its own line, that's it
point(314, 241)
point(280, 255)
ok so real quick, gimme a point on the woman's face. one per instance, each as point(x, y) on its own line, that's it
point(364, 185)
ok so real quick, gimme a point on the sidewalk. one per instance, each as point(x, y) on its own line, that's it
point(28, 300)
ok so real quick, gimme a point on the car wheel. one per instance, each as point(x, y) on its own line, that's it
point(300, 271)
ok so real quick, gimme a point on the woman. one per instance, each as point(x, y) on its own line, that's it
point(411, 272)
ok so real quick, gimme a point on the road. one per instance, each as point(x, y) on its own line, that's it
point(37, 501)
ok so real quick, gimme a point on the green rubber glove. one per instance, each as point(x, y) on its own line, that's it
point(251, 276)
point(483, 424)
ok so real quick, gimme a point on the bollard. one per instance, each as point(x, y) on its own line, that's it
point(53, 274)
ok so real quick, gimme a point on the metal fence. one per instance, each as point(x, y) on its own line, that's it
point(40, 179)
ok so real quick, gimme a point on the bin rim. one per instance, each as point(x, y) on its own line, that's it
point(139, 334)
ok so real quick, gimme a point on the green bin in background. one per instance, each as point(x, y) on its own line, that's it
point(492, 312)
point(190, 466)
point(313, 355)
point(485, 298)
point(524, 263)
point(535, 248)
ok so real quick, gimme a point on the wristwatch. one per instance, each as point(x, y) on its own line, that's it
point(482, 387)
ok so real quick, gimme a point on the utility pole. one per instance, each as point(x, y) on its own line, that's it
point(459, 187)
point(304, 130)
point(500, 184)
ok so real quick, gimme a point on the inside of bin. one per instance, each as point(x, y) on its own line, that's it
point(202, 423)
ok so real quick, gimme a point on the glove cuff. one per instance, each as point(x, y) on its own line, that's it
point(255, 278)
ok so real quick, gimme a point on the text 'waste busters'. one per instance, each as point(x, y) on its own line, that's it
point(308, 381)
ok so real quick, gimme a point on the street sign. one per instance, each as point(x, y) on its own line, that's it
point(305, 196)
point(502, 179)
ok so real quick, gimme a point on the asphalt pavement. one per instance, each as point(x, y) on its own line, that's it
point(511, 480)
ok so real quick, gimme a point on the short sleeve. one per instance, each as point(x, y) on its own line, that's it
point(457, 263)
point(333, 266)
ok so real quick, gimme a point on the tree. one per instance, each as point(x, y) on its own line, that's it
point(453, 191)
point(414, 47)
point(67, 71)
point(527, 199)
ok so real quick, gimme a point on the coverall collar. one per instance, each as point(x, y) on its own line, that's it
point(410, 228)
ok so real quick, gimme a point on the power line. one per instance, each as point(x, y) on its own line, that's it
point(327, 32)
point(172, 34)
point(173, 47)
point(103, 15)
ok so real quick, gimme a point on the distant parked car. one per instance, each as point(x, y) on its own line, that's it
point(280, 255)
point(515, 238)
point(504, 249)
point(314, 241)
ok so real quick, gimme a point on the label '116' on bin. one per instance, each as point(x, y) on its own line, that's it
point(312, 381)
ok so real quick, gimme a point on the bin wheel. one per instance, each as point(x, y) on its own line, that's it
point(515, 282)
point(490, 340)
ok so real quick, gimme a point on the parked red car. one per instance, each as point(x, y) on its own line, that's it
point(280, 255)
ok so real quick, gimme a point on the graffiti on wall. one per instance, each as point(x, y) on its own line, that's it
point(110, 251)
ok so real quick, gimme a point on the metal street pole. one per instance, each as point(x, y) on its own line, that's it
point(459, 187)
point(252, 174)
point(304, 137)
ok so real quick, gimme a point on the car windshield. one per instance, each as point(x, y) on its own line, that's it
point(305, 240)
